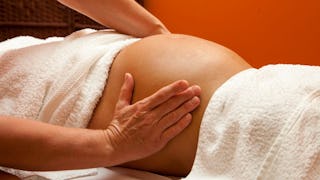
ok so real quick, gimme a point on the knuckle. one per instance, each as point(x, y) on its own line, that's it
point(189, 93)
point(178, 128)
point(192, 103)
point(146, 121)
point(166, 137)
point(140, 114)
point(136, 117)
point(129, 110)
point(188, 105)
point(186, 95)
point(141, 105)
point(163, 94)
point(174, 115)
point(124, 88)
point(151, 117)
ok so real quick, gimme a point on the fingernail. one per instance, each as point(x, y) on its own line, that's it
point(195, 100)
point(126, 76)
point(183, 84)
point(196, 89)
point(188, 119)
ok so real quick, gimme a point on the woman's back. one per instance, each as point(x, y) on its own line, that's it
point(157, 61)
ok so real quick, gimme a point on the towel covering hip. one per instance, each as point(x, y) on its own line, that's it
point(262, 124)
point(58, 82)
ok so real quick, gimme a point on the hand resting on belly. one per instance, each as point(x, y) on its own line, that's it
point(157, 61)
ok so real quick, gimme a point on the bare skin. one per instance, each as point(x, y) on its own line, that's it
point(157, 61)
point(32, 145)
point(125, 16)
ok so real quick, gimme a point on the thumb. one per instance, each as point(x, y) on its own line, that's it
point(125, 95)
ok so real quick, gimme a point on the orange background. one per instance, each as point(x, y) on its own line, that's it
point(261, 31)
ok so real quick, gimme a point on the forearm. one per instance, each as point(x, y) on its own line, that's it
point(125, 16)
point(32, 145)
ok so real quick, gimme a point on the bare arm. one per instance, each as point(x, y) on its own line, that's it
point(32, 145)
point(125, 16)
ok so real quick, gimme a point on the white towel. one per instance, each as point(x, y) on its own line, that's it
point(57, 80)
point(54, 175)
point(262, 124)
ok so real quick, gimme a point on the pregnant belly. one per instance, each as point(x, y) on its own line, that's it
point(158, 61)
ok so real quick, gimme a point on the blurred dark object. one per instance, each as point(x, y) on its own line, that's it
point(140, 2)
point(40, 18)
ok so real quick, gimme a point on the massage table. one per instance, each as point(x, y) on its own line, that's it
point(260, 124)
point(47, 18)
point(99, 174)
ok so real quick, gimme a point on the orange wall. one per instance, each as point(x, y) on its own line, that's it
point(261, 31)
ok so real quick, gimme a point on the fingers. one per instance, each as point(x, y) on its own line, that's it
point(177, 101)
point(173, 117)
point(125, 95)
point(164, 94)
point(176, 129)
point(155, 119)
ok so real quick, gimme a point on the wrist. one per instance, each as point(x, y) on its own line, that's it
point(107, 149)
point(116, 147)
point(88, 148)
point(159, 29)
point(85, 145)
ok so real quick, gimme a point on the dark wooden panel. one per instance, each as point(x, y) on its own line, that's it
point(41, 18)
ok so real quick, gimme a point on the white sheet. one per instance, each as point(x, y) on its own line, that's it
point(125, 174)
point(114, 173)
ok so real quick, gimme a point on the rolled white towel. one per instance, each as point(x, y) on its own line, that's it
point(262, 124)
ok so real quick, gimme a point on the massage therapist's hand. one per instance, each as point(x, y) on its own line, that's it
point(143, 128)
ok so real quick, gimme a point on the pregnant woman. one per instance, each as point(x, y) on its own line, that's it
point(252, 121)
point(238, 131)
point(156, 61)
point(244, 116)
point(59, 82)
